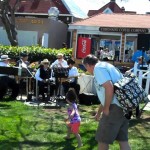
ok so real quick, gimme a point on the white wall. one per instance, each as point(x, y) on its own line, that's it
point(25, 38)
point(3, 37)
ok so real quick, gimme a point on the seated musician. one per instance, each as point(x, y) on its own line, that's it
point(23, 62)
point(59, 62)
point(6, 81)
point(43, 75)
point(72, 78)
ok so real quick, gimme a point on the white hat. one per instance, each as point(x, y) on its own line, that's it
point(45, 61)
point(4, 57)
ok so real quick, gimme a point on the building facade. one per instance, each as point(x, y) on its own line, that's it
point(36, 26)
point(118, 32)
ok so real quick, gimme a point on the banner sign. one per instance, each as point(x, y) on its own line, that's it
point(84, 47)
point(125, 30)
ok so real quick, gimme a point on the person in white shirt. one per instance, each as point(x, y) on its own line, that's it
point(56, 65)
point(71, 82)
point(7, 82)
point(59, 62)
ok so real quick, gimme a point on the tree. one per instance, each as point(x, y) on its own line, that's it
point(7, 16)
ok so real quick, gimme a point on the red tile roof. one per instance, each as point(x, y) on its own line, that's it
point(111, 5)
point(116, 20)
point(40, 6)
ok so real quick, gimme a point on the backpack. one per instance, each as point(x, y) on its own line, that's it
point(129, 93)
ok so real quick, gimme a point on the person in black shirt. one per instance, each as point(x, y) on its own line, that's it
point(23, 61)
point(43, 75)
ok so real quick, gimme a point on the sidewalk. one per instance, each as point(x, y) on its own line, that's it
point(54, 102)
point(147, 107)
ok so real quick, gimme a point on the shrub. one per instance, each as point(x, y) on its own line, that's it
point(36, 53)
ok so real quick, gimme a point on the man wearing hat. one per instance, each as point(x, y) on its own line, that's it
point(43, 75)
point(23, 62)
point(7, 82)
point(4, 60)
point(59, 62)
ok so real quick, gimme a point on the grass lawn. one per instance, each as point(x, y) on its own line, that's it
point(29, 128)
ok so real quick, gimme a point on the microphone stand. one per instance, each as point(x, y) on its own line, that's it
point(27, 70)
point(30, 73)
point(142, 56)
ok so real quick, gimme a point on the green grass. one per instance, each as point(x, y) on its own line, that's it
point(29, 128)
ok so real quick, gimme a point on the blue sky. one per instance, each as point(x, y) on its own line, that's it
point(140, 6)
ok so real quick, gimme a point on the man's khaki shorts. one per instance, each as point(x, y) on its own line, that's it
point(112, 127)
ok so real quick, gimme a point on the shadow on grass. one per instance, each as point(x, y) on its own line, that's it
point(5, 106)
point(37, 144)
point(89, 139)
point(14, 143)
point(139, 128)
point(134, 122)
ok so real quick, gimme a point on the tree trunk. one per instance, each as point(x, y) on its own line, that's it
point(11, 31)
point(9, 22)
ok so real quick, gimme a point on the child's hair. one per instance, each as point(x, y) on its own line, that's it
point(71, 95)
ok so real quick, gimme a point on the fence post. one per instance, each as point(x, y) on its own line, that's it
point(140, 77)
point(147, 81)
point(135, 68)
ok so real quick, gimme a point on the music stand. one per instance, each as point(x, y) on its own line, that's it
point(10, 70)
point(15, 71)
point(143, 50)
point(60, 73)
point(26, 73)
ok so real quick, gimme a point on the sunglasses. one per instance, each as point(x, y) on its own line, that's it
point(46, 63)
point(58, 58)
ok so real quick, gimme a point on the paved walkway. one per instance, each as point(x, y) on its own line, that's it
point(54, 102)
point(147, 107)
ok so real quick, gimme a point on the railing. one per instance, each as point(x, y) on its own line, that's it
point(143, 74)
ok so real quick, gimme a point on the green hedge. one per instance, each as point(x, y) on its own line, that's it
point(36, 53)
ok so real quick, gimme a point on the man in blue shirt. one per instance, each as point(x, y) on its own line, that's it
point(113, 125)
